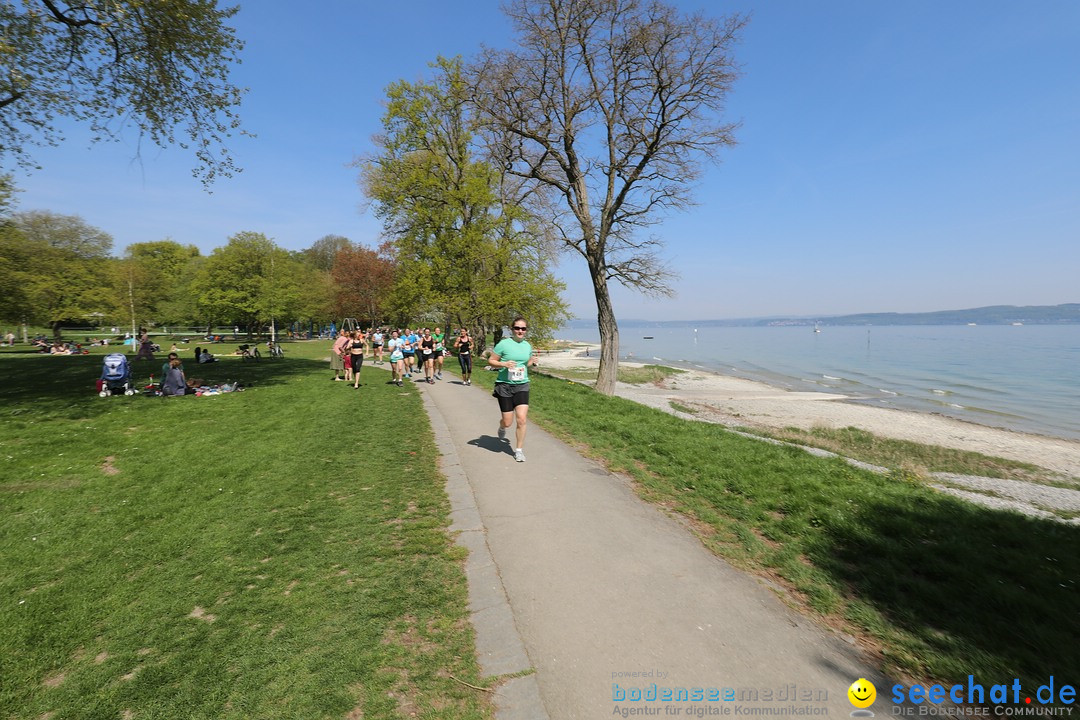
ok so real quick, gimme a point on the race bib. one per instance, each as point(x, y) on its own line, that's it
point(427, 351)
point(516, 374)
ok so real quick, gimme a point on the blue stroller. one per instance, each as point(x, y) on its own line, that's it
point(116, 376)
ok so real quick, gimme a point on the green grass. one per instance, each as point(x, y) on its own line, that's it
point(276, 553)
point(682, 408)
point(629, 375)
point(917, 458)
point(943, 588)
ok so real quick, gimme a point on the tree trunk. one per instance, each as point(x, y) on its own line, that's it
point(609, 336)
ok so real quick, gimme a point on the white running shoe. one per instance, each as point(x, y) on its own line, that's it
point(519, 455)
point(502, 433)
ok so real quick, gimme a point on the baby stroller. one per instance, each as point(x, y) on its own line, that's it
point(115, 376)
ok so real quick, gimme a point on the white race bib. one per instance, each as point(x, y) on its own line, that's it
point(516, 374)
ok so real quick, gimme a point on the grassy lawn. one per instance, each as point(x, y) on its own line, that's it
point(276, 553)
point(939, 587)
point(630, 375)
point(914, 457)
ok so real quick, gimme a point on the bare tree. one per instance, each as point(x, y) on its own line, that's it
point(610, 107)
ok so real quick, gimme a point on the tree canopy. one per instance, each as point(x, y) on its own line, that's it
point(54, 269)
point(608, 108)
point(464, 249)
point(159, 65)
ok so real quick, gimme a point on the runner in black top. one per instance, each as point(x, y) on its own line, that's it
point(427, 352)
point(463, 345)
point(356, 353)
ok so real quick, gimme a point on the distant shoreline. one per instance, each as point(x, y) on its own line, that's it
point(1065, 314)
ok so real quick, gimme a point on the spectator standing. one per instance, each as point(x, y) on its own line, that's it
point(337, 354)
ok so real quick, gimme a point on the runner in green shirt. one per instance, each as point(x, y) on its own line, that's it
point(513, 355)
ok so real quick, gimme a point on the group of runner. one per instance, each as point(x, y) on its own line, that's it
point(424, 351)
point(410, 353)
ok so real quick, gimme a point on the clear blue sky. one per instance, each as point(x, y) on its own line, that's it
point(909, 156)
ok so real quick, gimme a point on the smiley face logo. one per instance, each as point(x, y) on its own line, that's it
point(862, 693)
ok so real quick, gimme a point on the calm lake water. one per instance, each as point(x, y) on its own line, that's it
point(1024, 378)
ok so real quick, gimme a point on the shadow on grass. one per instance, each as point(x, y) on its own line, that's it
point(32, 381)
point(973, 587)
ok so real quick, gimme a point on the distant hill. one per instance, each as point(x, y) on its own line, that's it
point(992, 315)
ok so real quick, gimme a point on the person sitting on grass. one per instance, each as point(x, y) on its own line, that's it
point(168, 361)
point(174, 382)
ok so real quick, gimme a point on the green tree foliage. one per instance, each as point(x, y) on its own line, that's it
point(7, 195)
point(463, 250)
point(54, 270)
point(151, 283)
point(322, 252)
point(160, 65)
point(251, 282)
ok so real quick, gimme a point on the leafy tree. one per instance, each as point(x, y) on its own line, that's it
point(54, 270)
point(149, 279)
point(609, 107)
point(322, 252)
point(7, 195)
point(160, 65)
point(363, 279)
point(463, 249)
point(252, 282)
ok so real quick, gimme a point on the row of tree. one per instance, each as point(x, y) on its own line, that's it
point(582, 136)
point(56, 270)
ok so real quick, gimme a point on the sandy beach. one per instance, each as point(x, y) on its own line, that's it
point(735, 401)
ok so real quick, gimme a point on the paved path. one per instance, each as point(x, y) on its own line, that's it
point(571, 574)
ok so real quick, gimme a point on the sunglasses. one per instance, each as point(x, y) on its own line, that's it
point(521, 328)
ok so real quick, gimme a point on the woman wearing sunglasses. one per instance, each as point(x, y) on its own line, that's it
point(512, 356)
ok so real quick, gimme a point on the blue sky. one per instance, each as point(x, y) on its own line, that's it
point(907, 157)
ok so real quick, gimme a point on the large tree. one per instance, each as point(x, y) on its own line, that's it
point(322, 252)
point(465, 250)
point(610, 107)
point(251, 282)
point(160, 65)
point(363, 279)
point(151, 282)
point(54, 270)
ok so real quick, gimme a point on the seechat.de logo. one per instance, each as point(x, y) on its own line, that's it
point(974, 693)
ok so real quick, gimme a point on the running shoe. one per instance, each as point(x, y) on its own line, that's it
point(502, 433)
point(399, 384)
point(519, 455)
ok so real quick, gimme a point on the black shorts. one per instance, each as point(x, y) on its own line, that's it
point(436, 354)
point(510, 396)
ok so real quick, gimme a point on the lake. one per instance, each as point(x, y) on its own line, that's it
point(1024, 378)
